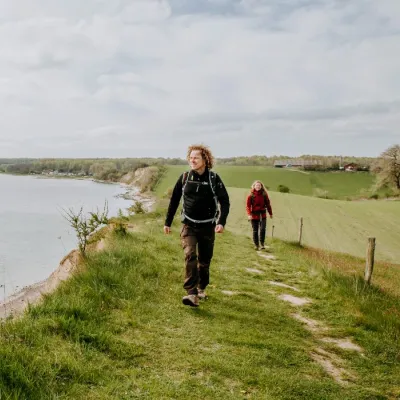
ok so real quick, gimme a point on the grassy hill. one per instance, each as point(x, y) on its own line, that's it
point(338, 185)
point(117, 329)
point(341, 226)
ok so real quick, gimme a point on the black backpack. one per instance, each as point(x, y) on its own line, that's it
point(212, 178)
point(212, 181)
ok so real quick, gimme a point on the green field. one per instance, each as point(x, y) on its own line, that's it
point(341, 226)
point(339, 185)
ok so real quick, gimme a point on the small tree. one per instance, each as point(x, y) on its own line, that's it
point(283, 189)
point(85, 225)
point(387, 168)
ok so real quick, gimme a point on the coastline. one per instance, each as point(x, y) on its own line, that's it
point(15, 304)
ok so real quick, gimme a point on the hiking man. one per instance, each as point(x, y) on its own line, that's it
point(205, 209)
point(257, 205)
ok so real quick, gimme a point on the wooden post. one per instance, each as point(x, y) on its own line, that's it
point(369, 266)
point(300, 230)
point(273, 227)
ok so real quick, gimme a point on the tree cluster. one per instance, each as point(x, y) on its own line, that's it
point(387, 168)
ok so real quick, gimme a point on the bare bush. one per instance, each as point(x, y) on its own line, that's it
point(86, 225)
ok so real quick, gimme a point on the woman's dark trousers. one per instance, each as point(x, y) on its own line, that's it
point(259, 228)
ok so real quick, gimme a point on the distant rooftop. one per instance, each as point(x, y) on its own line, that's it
point(296, 162)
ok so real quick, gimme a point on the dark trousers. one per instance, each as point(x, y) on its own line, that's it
point(259, 228)
point(198, 247)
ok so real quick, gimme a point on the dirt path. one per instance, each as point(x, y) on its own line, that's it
point(333, 365)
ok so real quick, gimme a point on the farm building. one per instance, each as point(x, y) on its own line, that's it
point(296, 162)
point(350, 167)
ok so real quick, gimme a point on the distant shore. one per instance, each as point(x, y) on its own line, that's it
point(16, 303)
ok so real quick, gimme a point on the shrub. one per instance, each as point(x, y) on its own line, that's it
point(86, 225)
point(121, 215)
point(120, 228)
point(283, 189)
point(374, 196)
point(137, 208)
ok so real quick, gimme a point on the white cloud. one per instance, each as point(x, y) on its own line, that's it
point(147, 77)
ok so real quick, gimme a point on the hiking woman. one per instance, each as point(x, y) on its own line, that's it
point(257, 205)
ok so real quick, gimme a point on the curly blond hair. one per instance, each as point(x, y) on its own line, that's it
point(205, 154)
point(262, 186)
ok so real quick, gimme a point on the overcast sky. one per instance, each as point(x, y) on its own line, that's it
point(131, 78)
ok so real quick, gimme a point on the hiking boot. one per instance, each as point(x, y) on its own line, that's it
point(256, 248)
point(262, 247)
point(201, 294)
point(191, 300)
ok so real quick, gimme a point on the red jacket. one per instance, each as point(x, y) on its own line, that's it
point(258, 203)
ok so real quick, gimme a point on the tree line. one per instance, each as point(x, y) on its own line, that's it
point(324, 163)
point(101, 169)
point(386, 167)
point(99, 166)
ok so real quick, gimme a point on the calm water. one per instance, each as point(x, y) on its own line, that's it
point(34, 236)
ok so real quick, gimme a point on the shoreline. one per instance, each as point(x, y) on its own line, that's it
point(31, 294)
point(16, 303)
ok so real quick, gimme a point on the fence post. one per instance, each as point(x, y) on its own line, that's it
point(300, 230)
point(369, 266)
point(273, 227)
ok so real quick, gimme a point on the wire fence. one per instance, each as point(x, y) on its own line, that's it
point(370, 249)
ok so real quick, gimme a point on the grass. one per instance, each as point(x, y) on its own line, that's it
point(339, 185)
point(340, 226)
point(117, 330)
point(334, 225)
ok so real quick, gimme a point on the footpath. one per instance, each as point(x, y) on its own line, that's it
point(278, 324)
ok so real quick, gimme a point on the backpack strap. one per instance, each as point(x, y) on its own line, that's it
point(212, 178)
point(185, 178)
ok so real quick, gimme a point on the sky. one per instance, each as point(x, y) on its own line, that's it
point(147, 78)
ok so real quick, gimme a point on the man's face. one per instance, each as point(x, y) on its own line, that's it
point(196, 161)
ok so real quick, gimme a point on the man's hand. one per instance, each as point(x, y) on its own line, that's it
point(219, 229)
point(249, 217)
point(167, 230)
point(271, 216)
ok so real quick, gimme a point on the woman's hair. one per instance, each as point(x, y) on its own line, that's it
point(262, 186)
point(205, 154)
